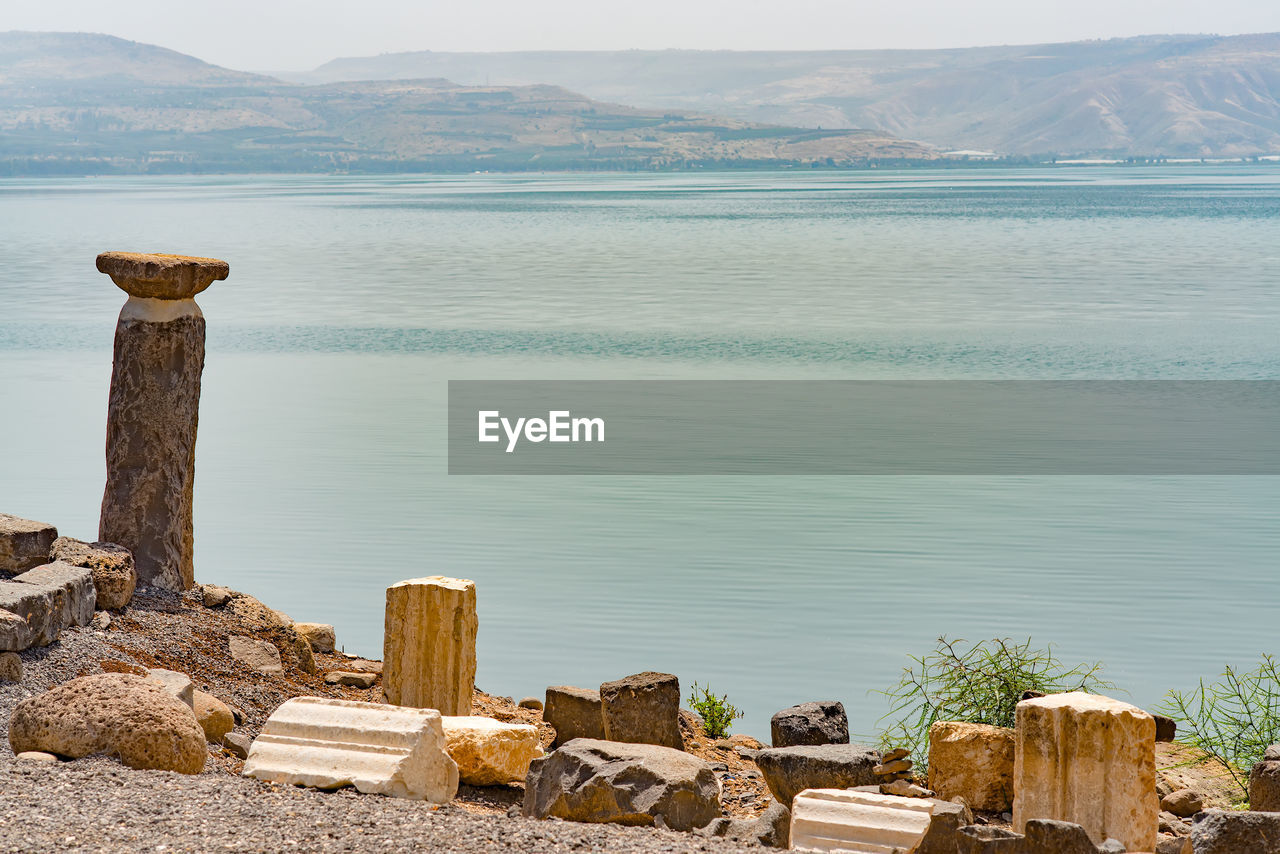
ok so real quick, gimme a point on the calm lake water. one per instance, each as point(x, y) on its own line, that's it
point(352, 300)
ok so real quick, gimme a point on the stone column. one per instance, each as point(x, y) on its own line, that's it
point(429, 645)
point(152, 411)
point(1089, 760)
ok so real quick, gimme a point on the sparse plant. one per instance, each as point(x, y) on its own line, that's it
point(980, 683)
point(718, 714)
point(1234, 720)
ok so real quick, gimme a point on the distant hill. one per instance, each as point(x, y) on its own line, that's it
point(76, 103)
point(1152, 95)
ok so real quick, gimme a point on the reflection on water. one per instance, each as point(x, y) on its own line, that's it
point(353, 300)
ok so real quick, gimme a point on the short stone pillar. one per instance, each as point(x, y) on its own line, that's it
point(429, 645)
point(152, 411)
point(1090, 760)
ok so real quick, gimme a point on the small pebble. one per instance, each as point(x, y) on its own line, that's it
point(36, 756)
point(531, 703)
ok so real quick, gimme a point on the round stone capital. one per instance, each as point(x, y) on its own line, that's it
point(158, 276)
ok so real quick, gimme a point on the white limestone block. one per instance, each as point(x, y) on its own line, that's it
point(1089, 760)
point(858, 822)
point(489, 752)
point(378, 749)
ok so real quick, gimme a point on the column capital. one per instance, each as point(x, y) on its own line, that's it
point(160, 276)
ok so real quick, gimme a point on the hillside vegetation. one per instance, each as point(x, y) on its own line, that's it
point(1147, 96)
point(74, 103)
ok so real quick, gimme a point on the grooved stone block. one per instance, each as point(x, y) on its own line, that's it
point(573, 713)
point(429, 644)
point(489, 752)
point(861, 822)
point(378, 749)
point(1089, 760)
point(24, 543)
point(974, 762)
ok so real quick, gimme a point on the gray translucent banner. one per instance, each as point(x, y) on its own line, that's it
point(1121, 427)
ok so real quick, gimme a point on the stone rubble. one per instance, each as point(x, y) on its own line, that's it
point(790, 770)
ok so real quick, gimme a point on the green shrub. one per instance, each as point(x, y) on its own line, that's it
point(1234, 720)
point(979, 684)
point(718, 714)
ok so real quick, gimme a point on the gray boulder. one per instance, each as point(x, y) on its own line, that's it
point(635, 784)
point(1043, 836)
point(24, 543)
point(810, 723)
point(573, 713)
point(790, 770)
point(1230, 832)
point(642, 709)
point(772, 828)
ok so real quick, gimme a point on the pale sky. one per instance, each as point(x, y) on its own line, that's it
point(295, 35)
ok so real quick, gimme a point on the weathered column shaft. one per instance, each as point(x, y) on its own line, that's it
point(153, 411)
point(429, 645)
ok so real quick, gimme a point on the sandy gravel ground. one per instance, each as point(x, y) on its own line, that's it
point(97, 804)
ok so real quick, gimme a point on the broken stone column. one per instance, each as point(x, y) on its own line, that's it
point(152, 411)
point(429, 646)
point(1089, 760)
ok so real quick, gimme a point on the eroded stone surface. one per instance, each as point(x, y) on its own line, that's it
point(175, 683)
point(490, 752)
point(24, 543)
point(113, 713)
point(319, 635)
point(10, 667)
point(810, 723)
point(71, 589)
point(642, 709)
point(605, 781)
point(260, 655)
point(213, 715)
point(350, 678)
point(152, 414)
point(161, 276)
point(790, 770)
point(114, 576)
point(974, 762)
point(429, 644)
point(1089, 760)
point(1230, 832)
point(573, 713)
point(379, 749)
point(1264, 786)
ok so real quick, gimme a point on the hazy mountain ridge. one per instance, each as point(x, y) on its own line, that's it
point(1171, 95)
point(112, 105)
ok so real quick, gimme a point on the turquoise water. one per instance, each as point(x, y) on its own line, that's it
point(352, 300)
